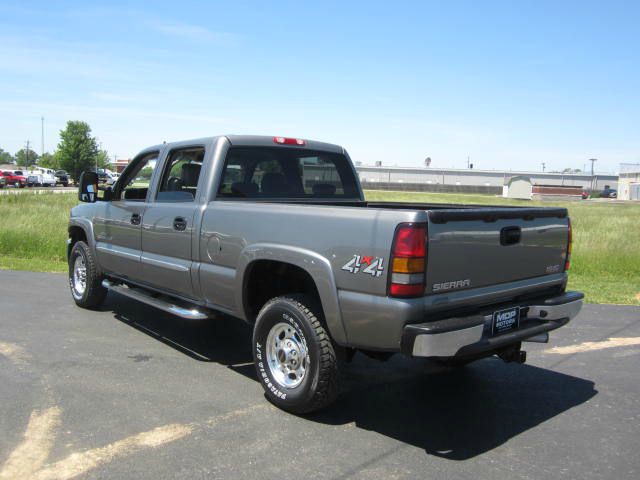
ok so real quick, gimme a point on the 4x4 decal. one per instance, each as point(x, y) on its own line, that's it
point(373, 266)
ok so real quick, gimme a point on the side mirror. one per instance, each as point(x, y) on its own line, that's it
point(88, 187)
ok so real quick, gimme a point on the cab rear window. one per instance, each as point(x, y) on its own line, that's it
point(277, 172)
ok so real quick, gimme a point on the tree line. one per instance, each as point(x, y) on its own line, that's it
point(77, 151)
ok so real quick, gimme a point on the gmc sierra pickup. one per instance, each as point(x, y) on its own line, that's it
point(276, 232)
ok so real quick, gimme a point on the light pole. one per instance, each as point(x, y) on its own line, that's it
point(543, 166)
point(42, 135)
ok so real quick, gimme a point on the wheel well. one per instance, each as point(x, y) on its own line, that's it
point(266, 279)
point(75, 234)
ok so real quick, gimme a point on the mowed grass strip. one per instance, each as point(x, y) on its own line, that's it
point(605, 262)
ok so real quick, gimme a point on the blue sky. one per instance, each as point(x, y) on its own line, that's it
point(512, 84)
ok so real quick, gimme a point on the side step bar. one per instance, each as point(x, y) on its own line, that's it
point(144, 297)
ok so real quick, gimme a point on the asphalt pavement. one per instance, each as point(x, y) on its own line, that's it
point(131, 392)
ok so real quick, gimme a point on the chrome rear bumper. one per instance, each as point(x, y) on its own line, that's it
point(463, 336)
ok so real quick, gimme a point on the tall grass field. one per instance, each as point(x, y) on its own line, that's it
point(605, 262)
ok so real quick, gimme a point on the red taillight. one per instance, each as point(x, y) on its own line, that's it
point(410, 242)
point(567, 262)
point(399, 290)
point(289, 141)
point(408, 261)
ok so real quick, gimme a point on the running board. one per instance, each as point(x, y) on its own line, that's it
point(142, 296)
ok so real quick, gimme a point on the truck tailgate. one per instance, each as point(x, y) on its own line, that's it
point(475, 247)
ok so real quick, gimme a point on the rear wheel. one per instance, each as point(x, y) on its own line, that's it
point(294, 356)
point(85, 282)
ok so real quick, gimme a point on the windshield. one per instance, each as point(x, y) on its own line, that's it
point(276, 172)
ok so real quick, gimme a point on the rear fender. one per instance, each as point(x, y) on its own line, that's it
point(318, 267)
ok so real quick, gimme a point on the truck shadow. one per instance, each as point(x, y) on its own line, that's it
point(449, 413)
point(222, 340)
point(452, 413)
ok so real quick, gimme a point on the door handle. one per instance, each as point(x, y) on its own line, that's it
point(179, 224)
point(135, 219)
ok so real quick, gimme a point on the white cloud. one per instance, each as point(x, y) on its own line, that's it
point(189, 31)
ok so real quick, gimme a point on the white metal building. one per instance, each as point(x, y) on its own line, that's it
point(629, 183)
point(519, 187)
point(488, 178)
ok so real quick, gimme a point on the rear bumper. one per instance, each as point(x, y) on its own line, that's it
point(471, 335)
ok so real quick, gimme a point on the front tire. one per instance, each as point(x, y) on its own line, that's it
point(85, 282)
point(293, 354)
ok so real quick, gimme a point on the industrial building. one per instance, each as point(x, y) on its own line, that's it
point(471, 180)
point(629, 182)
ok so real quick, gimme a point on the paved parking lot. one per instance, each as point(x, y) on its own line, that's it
point(130, 392)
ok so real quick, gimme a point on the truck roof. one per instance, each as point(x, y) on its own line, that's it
point(249, 141)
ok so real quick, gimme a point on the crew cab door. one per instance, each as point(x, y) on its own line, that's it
point(117, 226)
point(169, 223)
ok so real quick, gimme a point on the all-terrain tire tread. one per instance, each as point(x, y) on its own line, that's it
point(327, 389)
point(96, 293)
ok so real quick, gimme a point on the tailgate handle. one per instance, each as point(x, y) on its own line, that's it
point(510, 235)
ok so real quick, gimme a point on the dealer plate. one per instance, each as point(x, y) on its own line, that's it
point(505, 320)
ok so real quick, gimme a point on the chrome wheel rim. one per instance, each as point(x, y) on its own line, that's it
point(287, 355)
point(79, 276)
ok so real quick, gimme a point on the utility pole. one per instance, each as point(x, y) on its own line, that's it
point(543, 166)
point(99, 150)
point(468, 160)
point(42, 134)
point(593, 161)
point(27, 154)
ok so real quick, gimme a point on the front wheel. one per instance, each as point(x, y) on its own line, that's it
point(294, 356)
point(85, 282)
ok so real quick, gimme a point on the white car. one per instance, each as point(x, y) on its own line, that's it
point(41, 177)
point(113, 178)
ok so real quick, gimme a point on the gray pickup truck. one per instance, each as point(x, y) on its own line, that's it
point(276, 232)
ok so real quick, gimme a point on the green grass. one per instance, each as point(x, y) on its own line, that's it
point(33, 231)
point(605, 263)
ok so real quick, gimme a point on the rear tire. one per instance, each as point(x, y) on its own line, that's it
point(293, 354)
point(84, 281)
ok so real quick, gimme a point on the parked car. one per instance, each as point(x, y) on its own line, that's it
point(609, 193)
point(585, 194)
point(14, 178)
point(103, 176)
point(277, 232)
point(113, 178)
point(62, 178)
point(41, 177)
point(3, 182)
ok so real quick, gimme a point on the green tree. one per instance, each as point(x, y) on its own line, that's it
point(6, 157)
point(103, 159)
point(26, 158)
point(78, 149)
point(48, 160)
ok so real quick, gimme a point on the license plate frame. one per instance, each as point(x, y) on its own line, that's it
point(505, 321)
